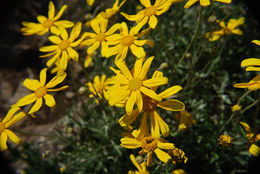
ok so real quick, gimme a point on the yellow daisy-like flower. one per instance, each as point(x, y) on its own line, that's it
point(236, 108)
point(250, 135)
point(230, 28)
point(99, 87)
point(127, 40)
point(41, 90)
point(149, 144)
point(254, 150)
point(141, 167)
point(185, 120)
point(100, 36)
point(225, 140)
point(252, 64)
point(45, 24)
point(63, 47)
point(149, 109)
point(178, 156)
point(10, 119)
point(129, 86)
point(252, 85)
point(149, 13)
point(204, 3)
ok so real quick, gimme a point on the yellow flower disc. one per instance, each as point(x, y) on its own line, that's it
point(48, 23)
point(149, 144)
point(2, 127)
point(100, 37)
point(149, 104)
point(135, 84)
point(64, 45)
point(41, 91)
point(150, 11)
point(127, 40)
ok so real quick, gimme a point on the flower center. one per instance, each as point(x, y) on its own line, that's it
point(134, 84)
point(227, 31)
point(178, 156)
point(149, 11)
point(127, 40)
point(149, 144)
point(2, 127)
point(100, 37)
point(149, 104)
point(100, 87)
point(41, 91)
point(64, 45)
point(48, 23)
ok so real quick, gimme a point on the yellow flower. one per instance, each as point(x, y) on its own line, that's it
point(252, 85)
point(254, 150)
point(250, 135)
point(129, 86)
point(230, 28)
point(225, 140)
point(149, 13)
point(125, 40)
point(90, 2)
point(63, 47)
point(185, 120)
point(99, 87)
point(149, 109)
point(8, 121)
point(41, 90)
point(178, 156)
point(203, 3)
point(45, 24)
point(149, 144)
point(236, 108)
point(179, 171)
point(100, 36)
point(141, 167)
point(252, 64)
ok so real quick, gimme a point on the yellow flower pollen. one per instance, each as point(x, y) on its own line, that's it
point(48, 23)
point(64, 45)
point(149, 104)
point(100, 37)
point(135, 84)
point(149, 144)
point(41, 91)
point(150, 11)
point(127, 40)
point(2, 127)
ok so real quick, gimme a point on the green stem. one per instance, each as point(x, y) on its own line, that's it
point(251, 105)
point(193, 37)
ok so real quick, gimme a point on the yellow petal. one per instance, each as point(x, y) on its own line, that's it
point(138, 51)
point(250, 62)
point(28, 99)
point(150, 93)
point(64, 60)
point(155, 82)
point(10, 114)
point(128, 119)
point(93, 48)
point(163, 156)
point(31, 84)
point(190, 3)
point(253, 69)
point(49, 100)
point(153, 22)
point(130, 103)
point(171, 105)
point(12, 136)
point(124, 69)
point(204, 3)
point(170, 91)
point(257, 42)
point(143, 130)
point(64, 24)
point(167, 146)
point(54, 39)
point(155, 129)
point(58, 89)
point(146, 3)
point(73, 54)
point(130, 143)
point(15, 119)
point(139, 101)
point(163, 127)
point(36, 106)
point(145, 68)
point(55, 81)
point(75, 31)
point(51, 11)
point(43, 76)
point(132, 157)
point(63, 8)
point(49, 48)
point(3, 140)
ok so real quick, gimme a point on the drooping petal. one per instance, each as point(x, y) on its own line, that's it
point(143, 130)
point(73, 54)
point(145, 68)
point(36, 106)
point(3, 140)
point(130, 103)
point(153, 21)
point(163, 127)
point(93, 48)
point(128, 119)
point(155, 129)
point(130, 143)
point(163, 156)
point(138, 51)
point(49, 100)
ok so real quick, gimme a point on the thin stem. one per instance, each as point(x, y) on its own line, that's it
point(249, 106)
point(193, 37)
